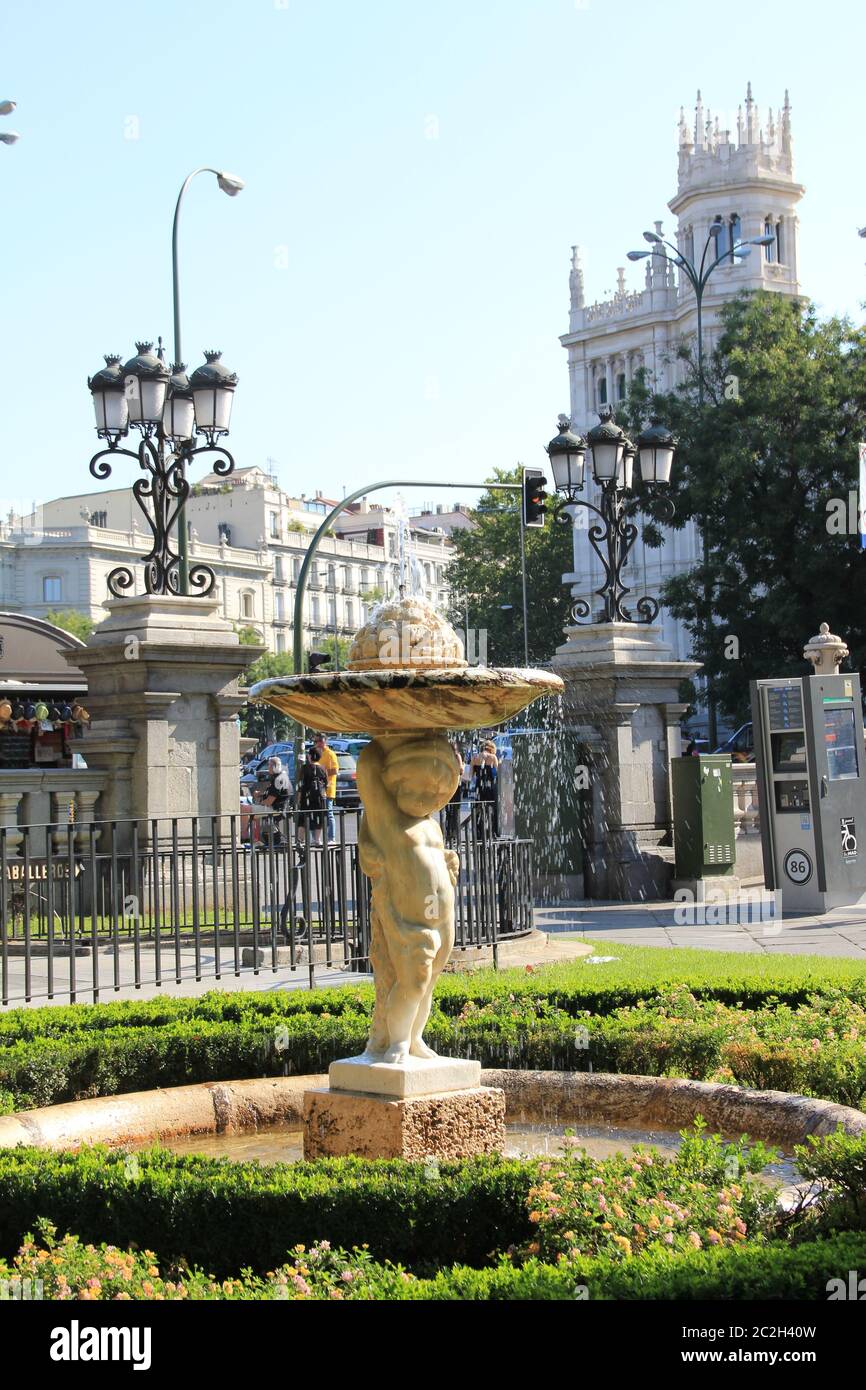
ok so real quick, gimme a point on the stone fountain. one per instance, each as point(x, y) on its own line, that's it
point(406, 684)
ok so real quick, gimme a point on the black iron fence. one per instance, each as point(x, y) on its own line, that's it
point(116, 905)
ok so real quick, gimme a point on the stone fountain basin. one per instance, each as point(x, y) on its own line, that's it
point(620, 1102)
point(404, 699)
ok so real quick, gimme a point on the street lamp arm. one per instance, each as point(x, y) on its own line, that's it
point(686, 266)
point(204, 169)
point(298, 634)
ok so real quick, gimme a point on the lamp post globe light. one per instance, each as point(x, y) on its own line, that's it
point(612, 455)
point(169, 409)
point(168, 412)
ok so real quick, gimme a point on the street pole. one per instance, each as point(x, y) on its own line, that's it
point(523, 579)
point(698, 278)
point(235, 186)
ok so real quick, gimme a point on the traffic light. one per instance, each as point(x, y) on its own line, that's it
point(317, 659)
point(534, 497)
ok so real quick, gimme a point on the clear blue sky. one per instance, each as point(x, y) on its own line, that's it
point(391, 301)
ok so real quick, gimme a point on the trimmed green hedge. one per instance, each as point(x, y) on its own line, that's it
point(744, 1273)
point(478, 1229)
point(226, 1216)
point(815, 1048)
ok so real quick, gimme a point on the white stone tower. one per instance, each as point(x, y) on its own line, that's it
point(744, 176)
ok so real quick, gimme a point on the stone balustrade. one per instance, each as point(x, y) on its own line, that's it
point(48, 800)
point(747, 821)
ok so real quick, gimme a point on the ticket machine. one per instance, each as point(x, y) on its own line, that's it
point(809, 758)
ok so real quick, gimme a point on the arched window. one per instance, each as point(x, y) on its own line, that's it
point(296, 569)
point(315, 612)
point(247, 600)
point(770, 248)
point(736, 229)
point(780, 257)
point(723, 240)
point(278, 569)
point(332, 576)
point(602, 390)
point(279, 607)
point(350, 613)
point(620, 386)
point(280, 643)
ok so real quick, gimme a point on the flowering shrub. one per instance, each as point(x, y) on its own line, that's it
point(67, 1269)
point(622, 1206)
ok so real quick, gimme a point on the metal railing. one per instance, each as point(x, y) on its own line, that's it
point(164, 902)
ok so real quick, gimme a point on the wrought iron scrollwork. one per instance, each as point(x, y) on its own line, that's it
point(161, 494)
point(612, 538)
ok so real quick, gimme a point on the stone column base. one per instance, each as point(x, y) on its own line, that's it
point(449, 1124)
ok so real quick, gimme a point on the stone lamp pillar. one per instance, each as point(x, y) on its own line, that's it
point(622, 695)
point(162, 691)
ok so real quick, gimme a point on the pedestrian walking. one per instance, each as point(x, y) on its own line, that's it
point(331, 766)
point(485, 778)
point(312, 796)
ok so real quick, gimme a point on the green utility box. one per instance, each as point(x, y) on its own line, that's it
point(703, 807)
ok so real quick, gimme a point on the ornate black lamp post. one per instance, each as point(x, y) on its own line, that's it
point(168, 409)
point(614, 534)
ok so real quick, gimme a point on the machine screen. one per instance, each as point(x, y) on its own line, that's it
point(840, 742)
point(792, 797)
point(789, 752)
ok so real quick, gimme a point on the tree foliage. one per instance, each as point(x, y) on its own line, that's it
point(767, 467)
point(79, 624)
point(485, 575)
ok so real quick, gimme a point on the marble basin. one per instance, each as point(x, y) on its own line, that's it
point(396, 700)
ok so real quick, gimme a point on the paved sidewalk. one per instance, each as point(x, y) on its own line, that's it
point(841, 932)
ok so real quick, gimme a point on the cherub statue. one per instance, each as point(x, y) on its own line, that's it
point(402, 779)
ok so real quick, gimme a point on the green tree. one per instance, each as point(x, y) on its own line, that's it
point(335, 647)
point(248, 636)
point(79, 624)
point(769, 466)
point(263, 721)
point(484, 577)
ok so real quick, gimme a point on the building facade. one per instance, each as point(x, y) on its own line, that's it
point(248, 530)
point(745, 176)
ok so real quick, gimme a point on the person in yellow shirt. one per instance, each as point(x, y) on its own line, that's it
point(328, 760)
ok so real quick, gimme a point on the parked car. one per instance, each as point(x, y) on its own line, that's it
point(347, 782)
point(741, 745)
point(352, 746)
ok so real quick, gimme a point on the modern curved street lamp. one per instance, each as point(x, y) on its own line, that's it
point(230, 185)
point(698, 275)
point(8, 137)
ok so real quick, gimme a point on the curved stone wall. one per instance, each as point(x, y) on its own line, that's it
point(624, 1102)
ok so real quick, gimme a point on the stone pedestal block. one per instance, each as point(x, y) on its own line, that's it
point(162, 689)
point(622, 699)
point(447, 1124)
point(416, 1076)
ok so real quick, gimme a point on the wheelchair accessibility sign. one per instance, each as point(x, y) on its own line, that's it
point(848, 837)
